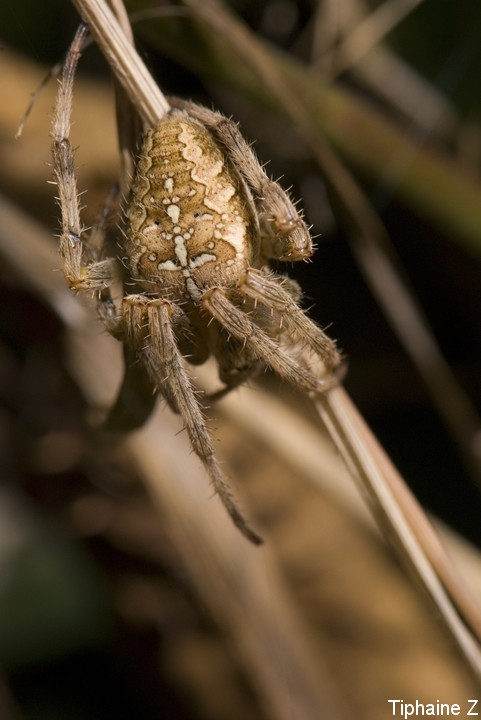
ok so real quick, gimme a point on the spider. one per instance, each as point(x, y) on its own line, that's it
point(199, 227)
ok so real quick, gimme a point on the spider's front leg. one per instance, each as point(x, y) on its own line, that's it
point(98, 274)
point(149, 327)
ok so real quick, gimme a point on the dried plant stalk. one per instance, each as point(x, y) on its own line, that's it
point(389, 498)
point(334, 408)
point(370, 242)
point(347, 428)
point(371, 31)
point(126, 64)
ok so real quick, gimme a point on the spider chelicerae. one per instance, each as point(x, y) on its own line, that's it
point(199, 227)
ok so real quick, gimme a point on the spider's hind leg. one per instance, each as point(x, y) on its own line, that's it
point(150, 330)
point(261, 343)
point(269, 291)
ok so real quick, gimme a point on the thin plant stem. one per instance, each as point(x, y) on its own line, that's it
point(126, 64)
point(334, 408)
point(370, 31)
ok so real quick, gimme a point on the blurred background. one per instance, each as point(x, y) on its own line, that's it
point(99, 616)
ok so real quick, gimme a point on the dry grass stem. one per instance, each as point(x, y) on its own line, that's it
point(371, 31)
point(129, 126)
point(328, 23)
point(395, 82)
point(402, 519)
point(390, 287)
point(125, 62)
point(382, 71)
point(369, 240)
point(299, 444)
point(337, 413)
point(287, 670)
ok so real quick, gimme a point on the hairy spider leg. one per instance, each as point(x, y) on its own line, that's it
point(149, 327)
point(269, 290)
point(241, 327)
point(99, 274)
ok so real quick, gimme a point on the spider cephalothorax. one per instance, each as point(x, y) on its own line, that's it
point(201, 223)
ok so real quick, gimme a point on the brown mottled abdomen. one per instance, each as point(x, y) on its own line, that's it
point(190, 222)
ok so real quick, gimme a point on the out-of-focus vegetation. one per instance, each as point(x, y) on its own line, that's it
point(105, 624)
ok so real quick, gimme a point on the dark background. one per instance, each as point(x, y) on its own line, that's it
point(441, 40)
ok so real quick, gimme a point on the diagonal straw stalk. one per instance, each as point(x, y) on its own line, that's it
point(360, 450)
point(125, 62)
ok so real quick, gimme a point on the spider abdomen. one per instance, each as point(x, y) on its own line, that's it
point(190, 221)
